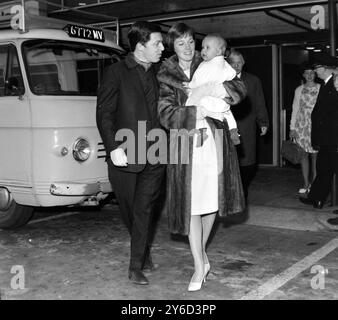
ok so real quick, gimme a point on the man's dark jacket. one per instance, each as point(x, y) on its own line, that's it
point(250, 113)
point(324, 117)
point(122, 104)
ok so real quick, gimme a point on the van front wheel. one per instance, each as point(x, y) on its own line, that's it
point(12, 215)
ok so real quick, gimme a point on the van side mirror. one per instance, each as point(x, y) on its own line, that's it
point(12, 84)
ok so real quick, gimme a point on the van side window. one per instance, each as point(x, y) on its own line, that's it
point(56, 67)
point(11, 83)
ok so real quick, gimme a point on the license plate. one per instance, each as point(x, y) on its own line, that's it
point(80, 32)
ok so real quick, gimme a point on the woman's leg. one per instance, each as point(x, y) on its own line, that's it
point(207, 224)
point(195, 240)
point(313, 165)
point(305, 170)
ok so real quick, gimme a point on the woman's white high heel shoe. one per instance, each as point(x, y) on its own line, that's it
point(195, 286)
point(304, 190)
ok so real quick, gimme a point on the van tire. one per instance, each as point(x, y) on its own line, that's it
point(15, 216)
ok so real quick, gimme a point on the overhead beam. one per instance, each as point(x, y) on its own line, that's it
point(292, 22)
point(296, 17)
point(298, 38)
point(163, 10)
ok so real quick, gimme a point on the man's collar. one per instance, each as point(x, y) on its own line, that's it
point(133, 62)
point(328, 78)
point(130, 61)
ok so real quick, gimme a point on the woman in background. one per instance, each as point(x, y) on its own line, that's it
point(300, 126)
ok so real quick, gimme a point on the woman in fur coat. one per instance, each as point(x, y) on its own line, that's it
point(202, 174)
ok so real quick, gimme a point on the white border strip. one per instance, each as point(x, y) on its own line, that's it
point(290, 273)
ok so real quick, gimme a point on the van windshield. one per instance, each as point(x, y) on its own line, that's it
point(57, 67)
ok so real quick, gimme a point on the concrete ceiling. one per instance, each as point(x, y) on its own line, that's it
point(239, 21)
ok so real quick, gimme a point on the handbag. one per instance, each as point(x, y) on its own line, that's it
point(292, 151)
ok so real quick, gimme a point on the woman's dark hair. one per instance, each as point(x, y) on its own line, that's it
point(140, 32)
point(178, 30)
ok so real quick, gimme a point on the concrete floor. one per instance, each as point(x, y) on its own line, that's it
point(85, 255)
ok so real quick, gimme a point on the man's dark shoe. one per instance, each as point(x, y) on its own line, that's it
point(318, 204)
point(333, 221)
point(335, 211)
point(137, 276)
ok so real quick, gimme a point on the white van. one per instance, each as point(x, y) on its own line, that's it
point(51, 152)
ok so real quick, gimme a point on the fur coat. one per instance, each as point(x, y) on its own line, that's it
point(173, 114)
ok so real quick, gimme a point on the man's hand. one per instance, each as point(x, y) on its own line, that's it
point(119, 157)
point(264, 130)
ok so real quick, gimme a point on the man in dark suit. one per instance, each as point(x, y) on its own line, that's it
point(334, 221)
point(127, 107)
point(324, 133)
point(249, 114)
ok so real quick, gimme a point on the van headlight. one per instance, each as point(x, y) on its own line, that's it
point(81, 150)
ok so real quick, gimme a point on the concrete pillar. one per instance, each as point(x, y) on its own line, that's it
point(333, 26)
point(333, 46)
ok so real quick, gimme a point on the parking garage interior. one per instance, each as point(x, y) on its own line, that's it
point(274, 36)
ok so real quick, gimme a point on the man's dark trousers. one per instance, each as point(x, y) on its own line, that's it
point(247, 175)
point(327, 164)
point(136, 194)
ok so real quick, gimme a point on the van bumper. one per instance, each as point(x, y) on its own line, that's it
point(79, 189)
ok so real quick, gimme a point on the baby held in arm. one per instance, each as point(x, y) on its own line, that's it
point(206, 88)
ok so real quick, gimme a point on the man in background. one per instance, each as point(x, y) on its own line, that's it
point(324, 134)
point(249, 114)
